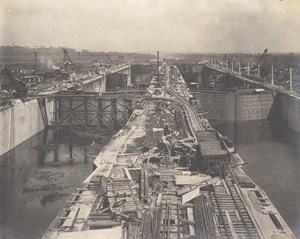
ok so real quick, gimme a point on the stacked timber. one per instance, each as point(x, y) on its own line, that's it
point(204, 222)
point(101, 220)
point(151, 223)
point(122, 196)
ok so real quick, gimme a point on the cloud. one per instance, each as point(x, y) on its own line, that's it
point(148, 25)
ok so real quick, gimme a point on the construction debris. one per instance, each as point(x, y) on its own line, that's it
point(165, 177)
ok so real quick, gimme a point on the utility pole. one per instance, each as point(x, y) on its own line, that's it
point(157, 61)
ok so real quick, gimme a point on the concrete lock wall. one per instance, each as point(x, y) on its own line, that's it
point(235, 106)
point(116, 81)
point(290, 111)
point(20, 122)
point(93, 85)
point(141, 75)
point(192, 73)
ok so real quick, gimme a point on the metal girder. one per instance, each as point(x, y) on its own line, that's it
point(87, 111)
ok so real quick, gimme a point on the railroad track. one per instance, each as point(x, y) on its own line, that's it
point(191, 115)
point(233, 218)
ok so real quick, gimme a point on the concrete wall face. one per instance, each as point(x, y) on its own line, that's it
point(240, 107)
point(192, 73)
point(290, 111)
point(20, 123)
point(141, 75)
point(116, 81)
point(235, 107)
point(141, 80)
point(94, 86)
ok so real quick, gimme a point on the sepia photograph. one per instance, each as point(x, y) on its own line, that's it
point(149, 119)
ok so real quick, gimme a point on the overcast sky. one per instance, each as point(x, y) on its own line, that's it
point(150, 25)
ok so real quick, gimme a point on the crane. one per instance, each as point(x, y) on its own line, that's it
point(121, 59)
point(261, 56)
point(20, 86)
point(263, 69)
point(67, 60)
point(108, 60)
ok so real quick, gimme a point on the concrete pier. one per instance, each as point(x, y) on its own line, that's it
point(21, 121)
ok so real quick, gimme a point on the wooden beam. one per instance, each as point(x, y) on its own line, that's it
point(190, 195)
point(232, 230)
point(127, 174)
point(190, 216)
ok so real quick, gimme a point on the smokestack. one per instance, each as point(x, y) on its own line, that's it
point(291, 78)
point(157, 60)
point(272, 75)
point(35, 54)
point(248, 68)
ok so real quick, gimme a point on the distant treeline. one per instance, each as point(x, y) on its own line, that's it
point(292, 59)
point(25, 56)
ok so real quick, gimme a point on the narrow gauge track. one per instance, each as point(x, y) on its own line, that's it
point(185, 122)
point(232, 215)
point(190, 113)
point(233, 218)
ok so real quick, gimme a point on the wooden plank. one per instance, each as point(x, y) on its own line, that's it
point(100, 217)
point(142, 183)
point(70, 222)
point(183, 190)
point(190, 195)
point(237, 215)
point(128, 174)
point(233, 233)
point(226, 188)
point(187, 205)
point(190, 216)
point(103, 223)
point(187, 221)
point(146, 186)
point(190, 179)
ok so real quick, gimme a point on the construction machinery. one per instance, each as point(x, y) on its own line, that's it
point(109, 62)
point(261, 56)
point(260, 70)
point(67, 60)
point(121, 59)
point(21, 89)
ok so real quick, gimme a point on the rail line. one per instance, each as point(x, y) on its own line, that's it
point(191, 115)
point(232, 215)
point(233, 218)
